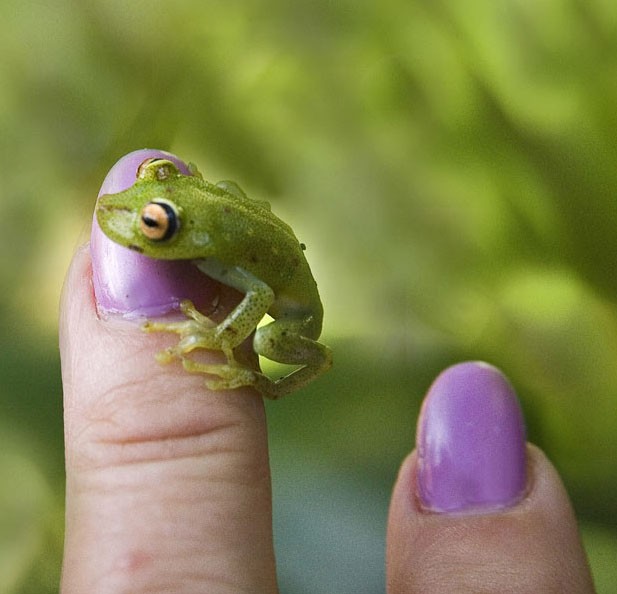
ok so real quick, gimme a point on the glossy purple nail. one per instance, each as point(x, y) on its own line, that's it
point(470, 442)
point(129, 283)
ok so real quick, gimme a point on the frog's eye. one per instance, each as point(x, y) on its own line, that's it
point(159, 221)
point(157, 169)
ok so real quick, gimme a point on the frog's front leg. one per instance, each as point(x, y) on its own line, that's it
point(200, 332)
point(189, 330)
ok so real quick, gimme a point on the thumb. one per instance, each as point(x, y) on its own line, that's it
point(168, 484)
point(474, 510)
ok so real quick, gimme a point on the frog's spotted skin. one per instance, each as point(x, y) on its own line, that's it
point(239, 242)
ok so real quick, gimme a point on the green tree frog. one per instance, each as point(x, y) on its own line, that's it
point(241, 243)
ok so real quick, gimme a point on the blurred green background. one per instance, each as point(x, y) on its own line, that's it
point(451, 166)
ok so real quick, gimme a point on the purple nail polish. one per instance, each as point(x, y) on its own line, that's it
point(129, 283)
point(470, 442)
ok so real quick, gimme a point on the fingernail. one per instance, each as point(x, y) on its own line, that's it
point(470, 442)
point(134, 285)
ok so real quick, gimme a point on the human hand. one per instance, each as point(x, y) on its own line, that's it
point(168, 484)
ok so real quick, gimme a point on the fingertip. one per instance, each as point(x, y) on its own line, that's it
point(475, 508)
point(130, 284)
point(531, 546)
point(470, 441)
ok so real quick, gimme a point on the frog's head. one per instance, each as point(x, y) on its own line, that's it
point(146, 219)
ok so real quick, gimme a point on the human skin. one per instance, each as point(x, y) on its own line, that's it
point(168, 483)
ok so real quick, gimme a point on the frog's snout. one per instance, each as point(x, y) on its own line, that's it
point(107, 212)
point(115, 220)
point(104, 206)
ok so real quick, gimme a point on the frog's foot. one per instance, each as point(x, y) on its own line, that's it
point(195, 324)
point(195, 332)
point(230, 375)
point(187, 330)
point(184, 327)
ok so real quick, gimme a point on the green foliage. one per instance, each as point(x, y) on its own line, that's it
point(450, 165)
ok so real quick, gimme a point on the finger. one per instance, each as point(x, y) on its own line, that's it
point(473, 509)
point(168, 485)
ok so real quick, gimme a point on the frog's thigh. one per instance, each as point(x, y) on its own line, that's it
point(283, 342)
point(280, 341)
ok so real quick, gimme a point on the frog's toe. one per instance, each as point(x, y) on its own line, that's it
point(191, 312)
point(229, 376)
point(167, 356)
point(230, 383)
point(150, 326)
point(183, 328)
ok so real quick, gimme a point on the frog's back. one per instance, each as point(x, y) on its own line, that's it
point(247, 233)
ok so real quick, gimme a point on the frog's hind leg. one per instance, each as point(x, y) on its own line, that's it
point(282, 341)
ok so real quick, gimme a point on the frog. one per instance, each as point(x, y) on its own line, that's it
point(241, 243)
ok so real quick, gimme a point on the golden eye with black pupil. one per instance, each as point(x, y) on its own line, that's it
point(156, 168)
point(142, 167)
point(158, 221)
